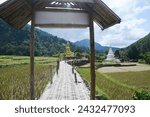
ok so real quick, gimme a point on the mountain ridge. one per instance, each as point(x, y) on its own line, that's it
point(98, 47)
point(138, 51)
point(16, 42)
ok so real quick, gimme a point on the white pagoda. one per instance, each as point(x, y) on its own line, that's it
point(111, 56)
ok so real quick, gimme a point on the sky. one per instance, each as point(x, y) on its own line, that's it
point(135, 25)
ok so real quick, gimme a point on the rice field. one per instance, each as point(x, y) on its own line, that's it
point(140, 80)
point(23, 60)
point(118, 86)
point(14, 76)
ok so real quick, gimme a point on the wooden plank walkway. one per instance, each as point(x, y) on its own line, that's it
point(64, 86)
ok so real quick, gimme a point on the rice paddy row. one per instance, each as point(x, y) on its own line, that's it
point(14, 76)
point(23, 60)
point(118, 86)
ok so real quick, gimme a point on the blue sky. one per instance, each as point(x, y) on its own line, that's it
point(135, 25)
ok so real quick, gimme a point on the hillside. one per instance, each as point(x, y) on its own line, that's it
point(137, 52)
point(142, 45)
point(86, 43)
point(16, 42)
point(137, 49)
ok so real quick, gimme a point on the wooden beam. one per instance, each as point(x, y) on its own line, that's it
point(61, 25)
point(72, 10)
point(32, 41)
point(92, 58)
point(85, 1)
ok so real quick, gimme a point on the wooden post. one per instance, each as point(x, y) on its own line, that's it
point(32, 41)
point(73, 70)
point(75, 76)
point(51, 74)
point(57, 67)
point(92, 58)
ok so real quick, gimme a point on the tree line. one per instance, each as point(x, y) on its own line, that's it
point(138, 51)
point(16, 42)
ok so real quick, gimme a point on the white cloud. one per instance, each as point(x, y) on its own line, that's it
point(130, 29)
point(120, 35)
point(141, 9)
point(135, 18)
point(1, 1)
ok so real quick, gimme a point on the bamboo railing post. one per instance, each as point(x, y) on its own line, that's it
point(73, 70)
point(51, 74)
point(75, 76)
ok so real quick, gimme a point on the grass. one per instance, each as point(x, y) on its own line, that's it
point(14, 76)
point(118, 86)
point(23, 60)
point(137, 79)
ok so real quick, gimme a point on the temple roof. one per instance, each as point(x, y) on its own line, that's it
point(17, 13)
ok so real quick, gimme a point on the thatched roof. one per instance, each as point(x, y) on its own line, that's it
point(17, 13)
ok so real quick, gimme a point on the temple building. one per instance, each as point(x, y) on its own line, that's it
point(69, 54)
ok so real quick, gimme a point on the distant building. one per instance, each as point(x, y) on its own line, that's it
point(111, 56)
point(68, 53)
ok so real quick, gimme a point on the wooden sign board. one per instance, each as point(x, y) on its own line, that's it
point(61, 19)
point(86, 1)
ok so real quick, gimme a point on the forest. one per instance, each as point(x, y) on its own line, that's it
point(16, 42)
point(136, 52)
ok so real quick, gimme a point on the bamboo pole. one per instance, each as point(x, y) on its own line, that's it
point(51, 74)
point(92, 58)
point(32, 41)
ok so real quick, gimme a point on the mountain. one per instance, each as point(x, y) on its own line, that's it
point(86, 43)
point(142, 45)
point(16, 42)
point(139, 48)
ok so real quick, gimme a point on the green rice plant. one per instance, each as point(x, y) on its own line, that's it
point(118, 85)
point(140, 79)
point(15, 79)
point(6, 61)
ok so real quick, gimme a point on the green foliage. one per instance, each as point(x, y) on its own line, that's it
point(140, 47)
point(12, 61)
point(121, 85)
point(78, 55)
point(138, 79)
point(123, 55)
point(14, 82)
point(101, 97)
point(16, 42)
point(141, 95)
point(133, 53)
point(141, 61)
point(106, 86)
point(100, 56)
point(117, 54)
point(14, 77)
point(146, 57)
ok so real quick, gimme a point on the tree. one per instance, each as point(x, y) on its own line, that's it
point(78, 55)
point(133, 53)
point(117, 54)
point(146, 57)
